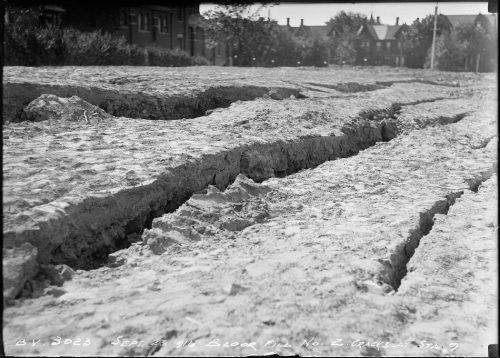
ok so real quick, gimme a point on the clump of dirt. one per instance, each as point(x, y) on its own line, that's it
point(210, 212)
point(19, 265)
point(49, 107)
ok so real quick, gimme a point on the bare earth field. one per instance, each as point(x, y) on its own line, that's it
point(228, 211)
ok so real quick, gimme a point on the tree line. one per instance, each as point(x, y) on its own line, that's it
point(252, 41)
point(255, 41)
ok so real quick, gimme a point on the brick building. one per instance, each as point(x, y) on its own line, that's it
point(162, 26)
point(171, 27)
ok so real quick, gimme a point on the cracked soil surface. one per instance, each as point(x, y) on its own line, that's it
point(340, 211)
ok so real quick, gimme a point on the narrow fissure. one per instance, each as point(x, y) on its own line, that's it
point(429, 82)
point(350, 87)
point(396, 268)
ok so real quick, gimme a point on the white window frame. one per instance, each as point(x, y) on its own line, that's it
point(144, 25)
point(163, 24)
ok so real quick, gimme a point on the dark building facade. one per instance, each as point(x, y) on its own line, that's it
point(162, 26)
point(379, 44)
point(170, 27)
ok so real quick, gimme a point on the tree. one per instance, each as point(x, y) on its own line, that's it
point(419, 38)
point(449, 53)
point(247, 34)
point(313, 51)
point(255, 41)
point(480, 46)
point(345, 26)
point(287, 49)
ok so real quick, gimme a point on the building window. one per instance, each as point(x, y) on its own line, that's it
point(180, 14)
point(379, 45)
point(140, 19)
point(123, 17)
point(133, 18)
point(202, 42)
point(388, 45)
point(164, 24)
point(180, 42)
point(144, 24)
point(51, 18)
point(400, 44)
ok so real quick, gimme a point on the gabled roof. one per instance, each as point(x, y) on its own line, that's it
point(490, 17)
point(381, 32)
point(456, 20)
point(320, 31)
point(289, 28)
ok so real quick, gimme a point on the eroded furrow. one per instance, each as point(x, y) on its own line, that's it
point(419, 80)
point(125, 103)
point(350, 87)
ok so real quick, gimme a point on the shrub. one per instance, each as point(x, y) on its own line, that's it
point(33, 46)
point(200, 61)
point(28, 44)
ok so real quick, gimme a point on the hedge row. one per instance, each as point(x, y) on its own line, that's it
point(52, 46)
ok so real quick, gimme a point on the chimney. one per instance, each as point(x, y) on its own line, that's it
point(301, 22)
point(397, 21)
point(287, 21)
point(378, 20)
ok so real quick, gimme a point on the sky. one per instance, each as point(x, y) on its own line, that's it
point(318, 14)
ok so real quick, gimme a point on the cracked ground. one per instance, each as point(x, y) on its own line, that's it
point(228, 211)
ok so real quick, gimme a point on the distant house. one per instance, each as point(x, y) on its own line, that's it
point(488, 22)
point(379, 44)
point(485, 60)
point(321, 31)
point(457, 20)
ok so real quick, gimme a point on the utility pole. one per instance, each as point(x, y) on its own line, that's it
point(434, 37)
